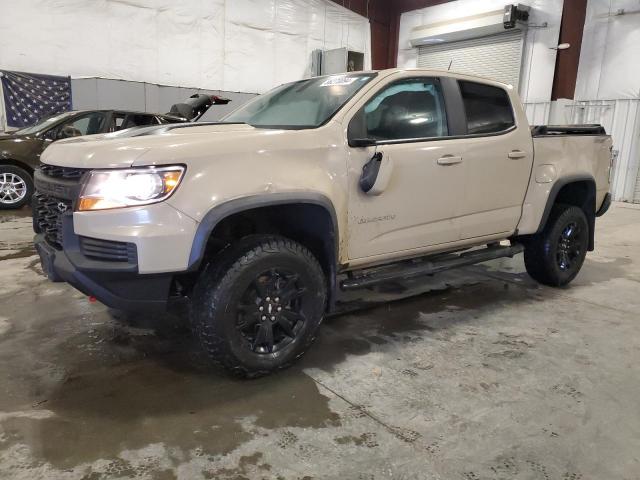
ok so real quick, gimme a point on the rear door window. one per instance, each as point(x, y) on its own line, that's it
point(139, 120)
point(488, 108)
point(117, 120)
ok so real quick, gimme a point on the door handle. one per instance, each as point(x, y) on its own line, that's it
point(449, 160)
point(515, 154)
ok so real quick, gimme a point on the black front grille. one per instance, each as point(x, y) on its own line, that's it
point(47, 217)
point(108, 250)
point(56, 188)
point(62, 172)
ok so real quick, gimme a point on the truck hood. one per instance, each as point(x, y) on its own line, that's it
point(124, 148)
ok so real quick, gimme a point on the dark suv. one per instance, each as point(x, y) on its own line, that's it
point(20, 151)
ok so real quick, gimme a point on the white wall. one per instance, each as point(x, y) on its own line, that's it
point(608, 83)
point(99, 93)
point(536, 79)
point(610, 54)
point(232, 45)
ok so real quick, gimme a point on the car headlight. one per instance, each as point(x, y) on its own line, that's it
point(129, 187)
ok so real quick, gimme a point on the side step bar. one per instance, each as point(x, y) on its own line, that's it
point(426, 266)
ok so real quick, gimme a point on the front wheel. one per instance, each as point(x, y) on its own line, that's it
point(16, 187)
point(258, 307)
point(555, 256)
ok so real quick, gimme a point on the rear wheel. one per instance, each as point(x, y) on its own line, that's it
point(16, 187)
point(257, 308)
point(555, 256)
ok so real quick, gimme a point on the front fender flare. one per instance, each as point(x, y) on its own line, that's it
point(222, 211)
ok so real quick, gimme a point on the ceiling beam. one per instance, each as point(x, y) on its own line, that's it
point(571, 27)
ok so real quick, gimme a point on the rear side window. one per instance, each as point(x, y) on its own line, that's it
point(116, 121)
point(488, 108)
point(139, 120)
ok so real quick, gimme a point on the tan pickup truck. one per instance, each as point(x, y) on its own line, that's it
point(320, 186)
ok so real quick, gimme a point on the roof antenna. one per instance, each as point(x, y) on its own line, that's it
point(449, 67)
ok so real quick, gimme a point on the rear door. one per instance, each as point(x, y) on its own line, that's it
point(498, 154)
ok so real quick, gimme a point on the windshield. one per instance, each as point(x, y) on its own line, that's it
point(304, 104)
point(44, 123)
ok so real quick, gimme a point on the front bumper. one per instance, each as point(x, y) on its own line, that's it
point(126, 258)
point(116, 284)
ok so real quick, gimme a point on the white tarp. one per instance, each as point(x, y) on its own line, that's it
point(610, 54)
point(232, 45)
point(538, 59)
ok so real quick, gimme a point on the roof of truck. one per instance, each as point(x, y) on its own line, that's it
point(390, 71)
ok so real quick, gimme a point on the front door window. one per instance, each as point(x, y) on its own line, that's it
point(408, 109)
point(89, 124)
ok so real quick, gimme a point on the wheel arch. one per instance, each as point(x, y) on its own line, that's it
point(579, 191)
point(311, 221)
point(17, 163)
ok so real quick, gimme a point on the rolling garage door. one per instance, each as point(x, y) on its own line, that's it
point(498, 57)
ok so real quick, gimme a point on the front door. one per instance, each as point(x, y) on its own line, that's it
point(417, 207)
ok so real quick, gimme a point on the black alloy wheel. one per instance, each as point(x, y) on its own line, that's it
point(269, 313)
point(569, 246)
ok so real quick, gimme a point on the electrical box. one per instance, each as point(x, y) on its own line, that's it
point(514, 14)
point(339, 60)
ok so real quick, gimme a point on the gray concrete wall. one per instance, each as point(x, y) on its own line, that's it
point(99, 93)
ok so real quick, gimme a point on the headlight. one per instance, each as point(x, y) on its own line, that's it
point(127, 188)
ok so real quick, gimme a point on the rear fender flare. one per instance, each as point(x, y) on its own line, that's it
point(589, 206)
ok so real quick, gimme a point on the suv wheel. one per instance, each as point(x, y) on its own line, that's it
point(258, 307)
point(16, 187)
point(554, 256)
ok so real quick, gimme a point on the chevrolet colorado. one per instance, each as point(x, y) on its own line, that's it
point(319, 186)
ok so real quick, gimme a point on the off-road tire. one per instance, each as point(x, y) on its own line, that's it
point(541, 254)
point(223, 284)
point(26, 178)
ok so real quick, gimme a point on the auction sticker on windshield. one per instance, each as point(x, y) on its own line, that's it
point(338, 80)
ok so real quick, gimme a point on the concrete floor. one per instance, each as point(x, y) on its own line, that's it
point(487, 376)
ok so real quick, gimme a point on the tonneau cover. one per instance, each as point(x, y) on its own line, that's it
point(545, 130)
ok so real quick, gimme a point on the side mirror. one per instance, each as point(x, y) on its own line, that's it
point(370, 172)
point(376, 174)
point(49, 135)
point(357, 132)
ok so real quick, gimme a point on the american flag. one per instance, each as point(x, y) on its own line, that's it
point(28, 96)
